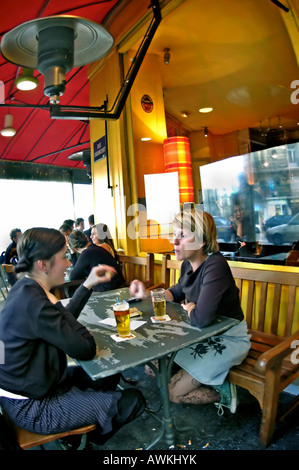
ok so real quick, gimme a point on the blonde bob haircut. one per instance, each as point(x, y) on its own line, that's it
point(202, 225)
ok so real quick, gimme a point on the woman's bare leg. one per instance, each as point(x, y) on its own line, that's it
point(183, 388)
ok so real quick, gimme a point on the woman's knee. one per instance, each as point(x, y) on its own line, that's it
point(173, 396)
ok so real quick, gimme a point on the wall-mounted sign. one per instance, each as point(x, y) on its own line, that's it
point(100, 149)
point(147, 103)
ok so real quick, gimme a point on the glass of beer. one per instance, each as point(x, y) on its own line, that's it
point(122, 316)
point(159, 302)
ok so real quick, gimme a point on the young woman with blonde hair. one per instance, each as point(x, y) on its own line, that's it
point(206, 288)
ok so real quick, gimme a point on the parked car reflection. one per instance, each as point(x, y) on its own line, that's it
point(224, 228)
point(285, 233)
point(277, 220)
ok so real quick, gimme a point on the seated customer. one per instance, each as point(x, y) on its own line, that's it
point(66, 230)
point(38, 391)
point(92, 255)
point(79, 224)
point(101, 236)
point(91, 224)
point(11, 255)
point(206, 288)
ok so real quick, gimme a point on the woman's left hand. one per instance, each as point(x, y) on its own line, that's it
point(188, 307)
point(99, 274)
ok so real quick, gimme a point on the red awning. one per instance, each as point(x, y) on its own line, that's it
point(39, 138)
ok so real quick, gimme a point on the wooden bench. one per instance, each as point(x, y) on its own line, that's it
point(28, 440)
point(270, 301)
point(138, 267)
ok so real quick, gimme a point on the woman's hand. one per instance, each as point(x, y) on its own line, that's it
point(99, 274)
point(188, 307)
point(137, 289)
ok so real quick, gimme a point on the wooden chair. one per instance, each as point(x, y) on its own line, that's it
point(138, 267)
point(27, 440)
point(171, 269)
point(66, 290)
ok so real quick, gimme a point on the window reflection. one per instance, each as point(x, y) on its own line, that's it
point(255, 196)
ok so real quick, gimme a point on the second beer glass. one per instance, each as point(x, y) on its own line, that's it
point(159, 302)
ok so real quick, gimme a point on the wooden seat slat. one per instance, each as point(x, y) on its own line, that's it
point(28, 440)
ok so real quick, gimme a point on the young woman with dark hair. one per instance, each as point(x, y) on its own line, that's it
point(101, 236)
point(92, 255)
point(38, 390)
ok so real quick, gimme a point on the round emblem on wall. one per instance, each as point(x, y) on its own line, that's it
point(147, 103)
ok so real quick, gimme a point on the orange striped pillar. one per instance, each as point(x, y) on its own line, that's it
point(177, 157)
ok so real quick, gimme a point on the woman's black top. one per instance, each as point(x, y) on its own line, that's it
point(37, 335)
point(92, 256)
point(211, 287)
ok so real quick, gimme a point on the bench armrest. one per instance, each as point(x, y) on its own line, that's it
point(274, 356)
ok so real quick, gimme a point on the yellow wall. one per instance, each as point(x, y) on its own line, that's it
point(130, 158)
point(149, 156)
point(111, 205)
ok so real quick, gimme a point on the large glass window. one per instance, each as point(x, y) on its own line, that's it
point(26, 204)
point(255, 197)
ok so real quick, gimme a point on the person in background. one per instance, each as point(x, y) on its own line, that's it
point(79, 224)
point(38, 391)
point(206, 288)
point(101, 236)
point(70, 223)
point(91, 255)
point(11, 254)
point(66, 231)
point(91, 224)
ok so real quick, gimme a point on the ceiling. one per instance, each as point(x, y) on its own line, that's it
point(235, 56)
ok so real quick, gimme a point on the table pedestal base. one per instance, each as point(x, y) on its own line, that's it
point(169, 430)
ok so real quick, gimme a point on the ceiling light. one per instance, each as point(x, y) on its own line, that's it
point(184, 114)
point(8, 130)
point(145, 139)
point(205, 110)
point(27, 81)
point(54, 45)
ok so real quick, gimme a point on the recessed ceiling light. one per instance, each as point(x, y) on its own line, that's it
point(205, 110)
point(145, 139)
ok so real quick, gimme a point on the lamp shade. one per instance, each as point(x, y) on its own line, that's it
point(177, 157)
point(26, 81)
point(8, 130)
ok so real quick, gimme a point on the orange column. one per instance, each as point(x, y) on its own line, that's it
point(177, 157)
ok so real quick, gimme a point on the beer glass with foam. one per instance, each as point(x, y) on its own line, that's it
point(122, 316)
point(159, 302)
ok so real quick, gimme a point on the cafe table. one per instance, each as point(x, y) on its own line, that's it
point(152, 341)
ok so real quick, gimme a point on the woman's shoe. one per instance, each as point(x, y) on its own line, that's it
point(228, 393)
